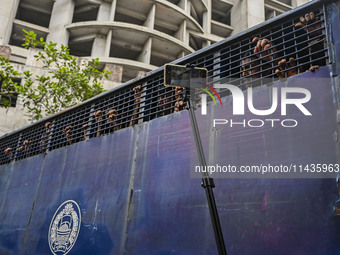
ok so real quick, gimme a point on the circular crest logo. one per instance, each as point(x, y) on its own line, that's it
point(64, 228)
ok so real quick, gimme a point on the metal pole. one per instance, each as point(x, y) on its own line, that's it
point(207, 183)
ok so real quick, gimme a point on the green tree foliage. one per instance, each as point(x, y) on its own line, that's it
point(7, 86)
point(65, 82)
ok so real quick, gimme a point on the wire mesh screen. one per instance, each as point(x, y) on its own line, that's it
point(285, 47)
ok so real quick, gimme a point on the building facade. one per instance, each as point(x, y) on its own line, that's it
point(130, 37)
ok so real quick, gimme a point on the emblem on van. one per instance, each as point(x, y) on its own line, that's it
point(64, 228)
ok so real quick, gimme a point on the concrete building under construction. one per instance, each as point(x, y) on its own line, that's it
point(130, 37)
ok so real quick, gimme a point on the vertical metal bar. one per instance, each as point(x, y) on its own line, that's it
point(142, 104)
point(91, 128)
point(328, 37)
point(15, 154)
point(49, 138)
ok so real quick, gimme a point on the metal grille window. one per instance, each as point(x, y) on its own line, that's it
point(291, 49)
point(230, 61)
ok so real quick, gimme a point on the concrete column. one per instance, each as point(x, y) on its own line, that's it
point(99, 46)
point(5, 51)
point(207, 18)
point(113, 10)
point(8, 10)
point(247, 13)
point(256, 13)
point(188, 7)
point(181, 54)
point(238, 16)
point(62, 14)
point(186, 37)
point(109, 34)
point(104, 11)
point(181, 33)
point(207, 22)
point(108, 44)
point(205, 44)
point(296, 3)
point(145, 56)
point(150, 20)
point(116, 72)
point(183, 4)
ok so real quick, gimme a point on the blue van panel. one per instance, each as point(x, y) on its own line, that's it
point(136, 196)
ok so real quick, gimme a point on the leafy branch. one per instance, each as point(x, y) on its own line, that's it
point(64, 83)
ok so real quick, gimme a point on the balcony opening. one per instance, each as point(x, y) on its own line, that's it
point(221, 12)
point(81, 48)
point(37, 14)
point(17, 36)
point(85, 12)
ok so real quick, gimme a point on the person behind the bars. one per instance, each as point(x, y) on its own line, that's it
point(251, 70)
point(260, 62)
point(313, 51)
point(309, 45)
